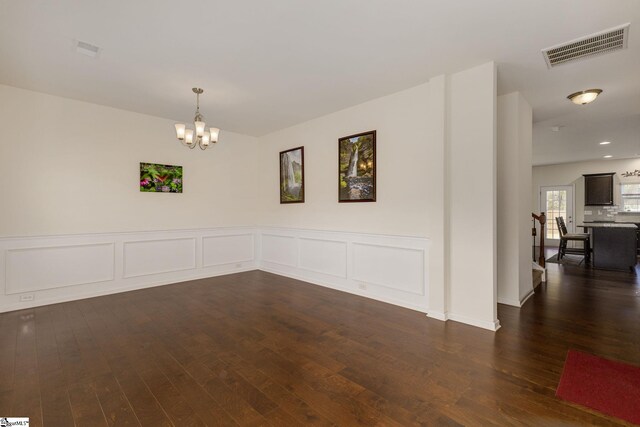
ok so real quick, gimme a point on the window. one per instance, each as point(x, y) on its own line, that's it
point(630, 197)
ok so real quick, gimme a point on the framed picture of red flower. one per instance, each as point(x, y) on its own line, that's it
point(155, 178)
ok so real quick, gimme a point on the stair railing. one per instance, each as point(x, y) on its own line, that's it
point(542, 219)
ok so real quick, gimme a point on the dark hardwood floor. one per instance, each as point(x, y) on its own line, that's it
point(258, 349)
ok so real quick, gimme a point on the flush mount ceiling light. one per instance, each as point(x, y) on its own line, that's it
point(605, 143)
point(585, 96)
point(200, 136)
point(608, 156)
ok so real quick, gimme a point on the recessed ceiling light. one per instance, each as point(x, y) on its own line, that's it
point(605, 143)
point(585, 96)
point(608, 156)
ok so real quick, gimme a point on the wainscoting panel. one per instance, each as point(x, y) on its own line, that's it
point(36, 269)
point(400, 269)
point(159, 256)
point(324, 256)
point(280, 249)
point(44, 270)
point(392, 269)
point(230, 249)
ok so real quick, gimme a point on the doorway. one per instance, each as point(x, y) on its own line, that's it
point(557, 201)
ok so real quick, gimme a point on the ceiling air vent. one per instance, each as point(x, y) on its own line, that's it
point(594, 44)
point(87, 49)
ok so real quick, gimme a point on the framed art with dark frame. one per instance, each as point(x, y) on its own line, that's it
point(292, 175)
point(357, 167)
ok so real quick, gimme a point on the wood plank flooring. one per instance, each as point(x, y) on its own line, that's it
point(256, 349)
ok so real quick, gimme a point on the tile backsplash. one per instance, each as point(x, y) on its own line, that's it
point(609, 213)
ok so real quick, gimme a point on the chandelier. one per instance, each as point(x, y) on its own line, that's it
point(199, 136)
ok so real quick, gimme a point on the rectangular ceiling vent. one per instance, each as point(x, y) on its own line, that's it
point(87, 49)
point(594, 44)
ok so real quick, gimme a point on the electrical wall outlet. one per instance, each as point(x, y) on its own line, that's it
point(27, 297)
point(362, 286)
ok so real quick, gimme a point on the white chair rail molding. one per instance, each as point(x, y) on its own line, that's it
point(44, 270)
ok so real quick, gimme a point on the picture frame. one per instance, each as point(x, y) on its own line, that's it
point(292, 175)
point(357, 168)
point(157, 178)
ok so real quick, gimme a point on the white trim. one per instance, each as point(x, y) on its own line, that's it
point(438, 315)
point(492, 326)
point(120, 279)
point(412, 273)
point(526, 297)
point(7, 269)
point(342, 289)
point(111, 291)
point(220, 236)
point(538, 267)
point(401, 280)
point(509, 301)
point(130, 243)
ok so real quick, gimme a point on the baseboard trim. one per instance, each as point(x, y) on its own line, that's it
point(85, 295)
point(341, 289)
point(438, 315)
point(491, 326)
point(508, 301)
point(526, 297)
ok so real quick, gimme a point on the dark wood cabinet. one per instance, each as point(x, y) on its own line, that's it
point(598, 189)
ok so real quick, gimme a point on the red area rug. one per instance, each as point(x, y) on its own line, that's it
point(604, 385)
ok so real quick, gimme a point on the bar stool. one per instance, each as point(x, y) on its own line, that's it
point(565, 237)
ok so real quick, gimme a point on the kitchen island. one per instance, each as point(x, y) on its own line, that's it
point(614, 245)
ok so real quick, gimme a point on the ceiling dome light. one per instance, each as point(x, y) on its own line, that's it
point(605, 143)
point(608, 156)
point(585, 96)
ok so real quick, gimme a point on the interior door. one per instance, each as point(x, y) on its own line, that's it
point(556, 201)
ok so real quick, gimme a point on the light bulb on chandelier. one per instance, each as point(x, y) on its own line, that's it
point(200, 137)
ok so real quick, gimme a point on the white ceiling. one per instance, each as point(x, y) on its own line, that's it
point(266, 65)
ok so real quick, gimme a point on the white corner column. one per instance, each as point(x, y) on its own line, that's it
point(514, 187)
point(438, 270)
point(472, 193)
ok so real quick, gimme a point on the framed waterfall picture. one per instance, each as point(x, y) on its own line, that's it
point(357, 168)
point(292, 175)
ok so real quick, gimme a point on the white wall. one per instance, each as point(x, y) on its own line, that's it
point(421, 132)
point(515, 122)
point(472, 189)
point(408, 173)
point(571, 174)
point(73, 167)
point(432, 229)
